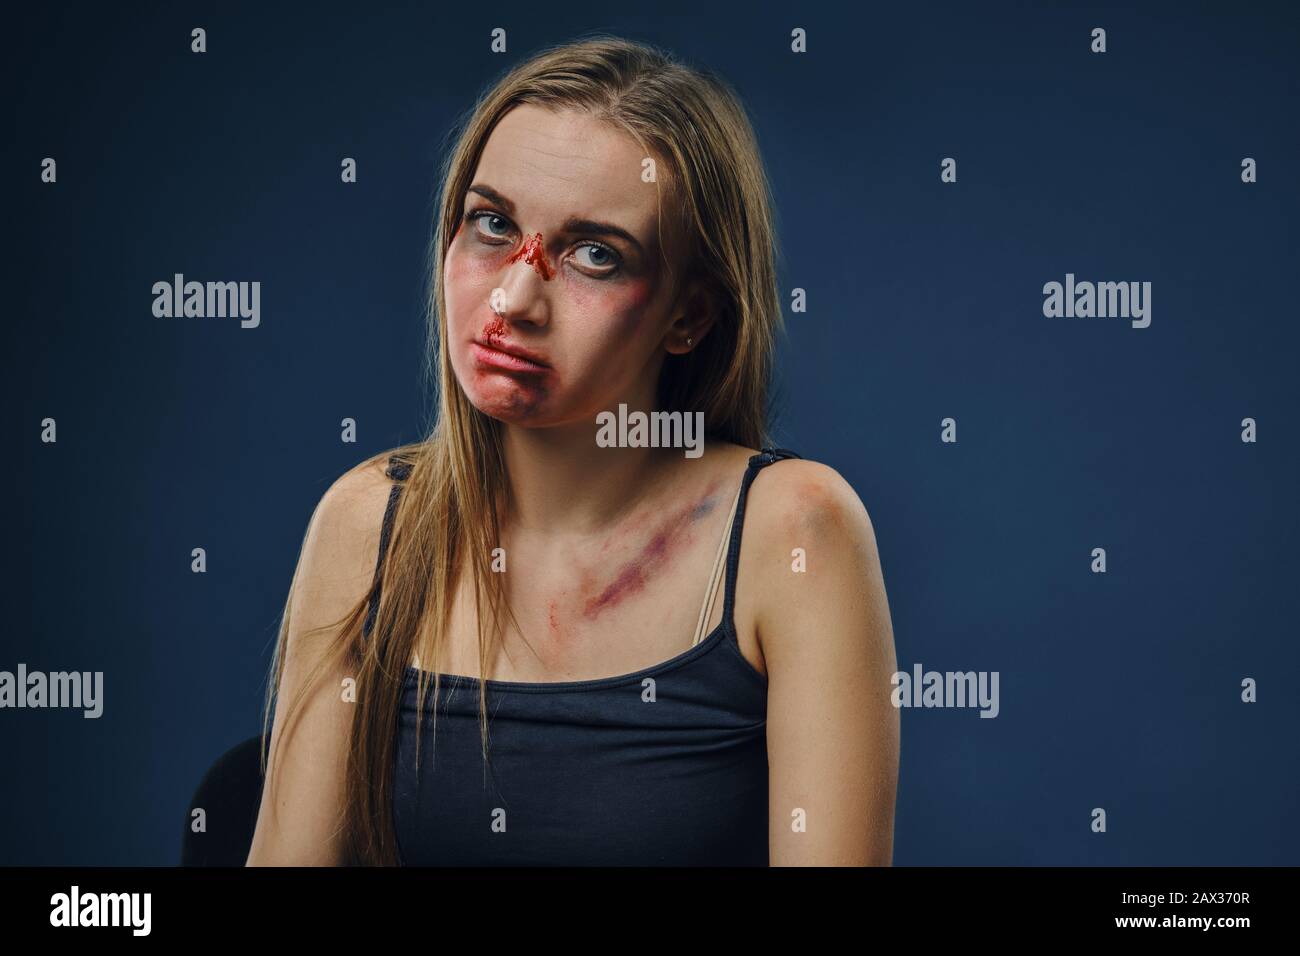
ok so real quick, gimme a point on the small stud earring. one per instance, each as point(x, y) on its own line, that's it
point(689, 341)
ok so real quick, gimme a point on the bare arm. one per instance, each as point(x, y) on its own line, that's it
point(334, 572)
point(828, 646)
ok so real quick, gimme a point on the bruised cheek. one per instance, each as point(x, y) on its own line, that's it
point(615, 308)
point(468, 282)
point(608, 325)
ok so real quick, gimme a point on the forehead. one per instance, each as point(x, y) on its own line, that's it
point(554, 165)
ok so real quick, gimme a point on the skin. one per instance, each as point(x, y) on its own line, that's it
point(599, 309)
point(671, 534)
point(617, 572)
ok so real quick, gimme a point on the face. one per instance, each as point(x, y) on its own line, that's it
point(559, 304)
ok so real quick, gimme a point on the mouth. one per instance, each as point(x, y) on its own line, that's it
point(508, 357)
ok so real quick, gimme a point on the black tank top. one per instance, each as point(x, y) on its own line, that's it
point(596, 772)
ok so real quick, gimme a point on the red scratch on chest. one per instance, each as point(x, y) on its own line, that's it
point(664, 544)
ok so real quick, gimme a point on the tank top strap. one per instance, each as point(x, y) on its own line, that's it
point(397, 471)
point(765, 457)
point(718, 572)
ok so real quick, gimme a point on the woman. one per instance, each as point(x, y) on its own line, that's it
point(604, 240)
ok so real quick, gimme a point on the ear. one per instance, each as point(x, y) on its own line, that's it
point(694, 318)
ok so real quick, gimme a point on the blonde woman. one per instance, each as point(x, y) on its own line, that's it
point(659, 689)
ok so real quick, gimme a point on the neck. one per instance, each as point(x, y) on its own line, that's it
point(562, 481)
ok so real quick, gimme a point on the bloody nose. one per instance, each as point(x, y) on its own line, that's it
point(533, 253)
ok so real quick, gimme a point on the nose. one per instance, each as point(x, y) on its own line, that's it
point(533, 252)
point(520, 296)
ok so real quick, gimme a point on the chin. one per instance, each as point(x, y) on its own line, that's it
point(510, 400)
point(517, 398)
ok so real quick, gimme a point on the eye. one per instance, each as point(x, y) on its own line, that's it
point(604, 260)
point(490, 217)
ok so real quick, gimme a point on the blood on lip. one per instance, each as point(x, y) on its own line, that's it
point(525, 364)
point(496, 330)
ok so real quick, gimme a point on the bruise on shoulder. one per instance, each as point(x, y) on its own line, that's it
point(801, 508)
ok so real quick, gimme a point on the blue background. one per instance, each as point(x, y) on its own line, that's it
point(1119, 690)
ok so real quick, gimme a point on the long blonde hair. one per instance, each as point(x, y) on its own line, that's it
point(449, 511)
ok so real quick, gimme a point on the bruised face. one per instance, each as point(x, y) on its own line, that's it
point(559, 303)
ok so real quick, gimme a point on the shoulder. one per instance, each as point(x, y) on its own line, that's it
point(349, 504)
point(814, 553)
point(342, 540)
point(800, 497)
point(797, 496)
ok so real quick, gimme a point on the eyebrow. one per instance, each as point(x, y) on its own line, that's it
point(571, 225)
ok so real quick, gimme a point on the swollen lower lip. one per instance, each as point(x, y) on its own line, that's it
point(497, 359)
